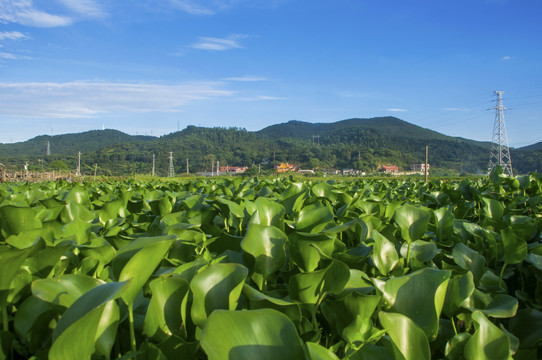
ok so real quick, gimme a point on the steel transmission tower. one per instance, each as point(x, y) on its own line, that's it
point(171, 171)
point(500, 153)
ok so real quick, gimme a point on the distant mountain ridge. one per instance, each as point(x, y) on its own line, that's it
point(352, 143)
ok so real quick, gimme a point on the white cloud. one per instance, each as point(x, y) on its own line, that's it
point(219, 44)
point(10, 56)
point(246, 78)
point(505, 58)
point(23, 12)
point(191, 7)
point(13, 35)
point(87, 8)
point(82, 99)
point(396, 110)
point(260, 98)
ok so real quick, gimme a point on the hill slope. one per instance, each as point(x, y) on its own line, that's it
point(363, 144)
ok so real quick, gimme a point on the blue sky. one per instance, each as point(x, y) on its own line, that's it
point(153, 66)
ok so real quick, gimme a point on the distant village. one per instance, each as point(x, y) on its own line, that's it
point(415, 169)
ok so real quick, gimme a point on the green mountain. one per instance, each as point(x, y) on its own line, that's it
point(69, 144)
point(363, 144)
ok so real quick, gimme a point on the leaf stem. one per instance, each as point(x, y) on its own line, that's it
point(133, 346)
point(502, 274)
point(408, 256)
point(5, 326)
point(453, 324)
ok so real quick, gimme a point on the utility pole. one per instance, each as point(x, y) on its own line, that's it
point(171, 171)
point(317, 137)
point(187, 172)
point(153, 164)
point(500, 153)
point(78, 164)
point(426, 163)
point(217, 168)
point(48, 151)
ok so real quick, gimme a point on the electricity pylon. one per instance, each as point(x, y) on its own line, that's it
point(171, 172)
point(500, 153)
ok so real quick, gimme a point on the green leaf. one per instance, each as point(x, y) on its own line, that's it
point(254, 334)
point(309, 288)
point(412, 221)
point(445, 223)
point(165, 313)
point(90, 322)
point(424, 289)
point(304, 254)
point(515, 249)
point(64, 290)
point(488, 341)
point(384, 254)
point(456, 345)
point(142, 265)
point(493, 209)
point(16, 219)
point(313, 218)
point(318, 352)
point(470, 260)
point(406, 335)
point(527, 326)
point(267, 245)
point(217, 287)
point(269, 213)
point(423, 251)
point(10, 262)
point(460, 288)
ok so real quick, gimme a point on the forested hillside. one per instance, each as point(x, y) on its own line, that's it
point(362, 144)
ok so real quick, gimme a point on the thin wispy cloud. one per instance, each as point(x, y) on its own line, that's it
point(261, 98)
point(10, 56)
point(87, 8)
point(82, 99)
point(25, 12)
point(396, 110)
point(505, 58)
point(219, 44)
point(246, 78)
point(13, 35)
point(192, 7)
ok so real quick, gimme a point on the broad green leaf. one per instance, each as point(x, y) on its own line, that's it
point(253, 334)
point(313, 218)
point(165, 315)
point(445, 223)
point(421, 250)
point(339, 313)
point(459, 289)
point(515, 249)
point(406, 335)
point(74, 210)
point(424, 289)
point(267, 245)
point(78, 195)
point(318, 352)
point(493, 208)
point(302, 251)
point(64, 290)
point(500, 306)
point(142, 265)
point(28, 237)
point(310, 287)
point(470, 260)
point(268, 213)
point(412, 221)
point(31, 322)
point(10, 262)
point(217, 287)
point(90, 322)
point(488, 341)
point(384, 254)
point(456, 345)
point(16, 219)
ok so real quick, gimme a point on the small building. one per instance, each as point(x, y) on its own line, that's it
point(419, 167)
point(285, 167)
point(233, 169)
point(308, 171)
point(389, 169)
point(348, 172)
